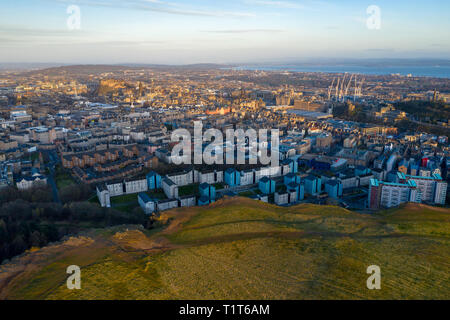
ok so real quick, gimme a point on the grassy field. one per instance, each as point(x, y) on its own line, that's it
point(250, 193)
point(125, 203)
point(129, 202)
point(219, 185)
point(159, 194)
point(244, 249)
point(63, 179)
point(126, 198)
point(189, 190)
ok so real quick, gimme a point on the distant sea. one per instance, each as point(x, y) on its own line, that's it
point(417, 71)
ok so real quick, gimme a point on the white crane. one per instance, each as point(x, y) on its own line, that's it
point(341, 90)
point(347, 87)
point(360, 88)
point(337, 89)
point(330, 88)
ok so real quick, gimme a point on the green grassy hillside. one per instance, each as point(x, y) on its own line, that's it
point(243, 249)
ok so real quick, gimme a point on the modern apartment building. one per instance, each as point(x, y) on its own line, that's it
point(388, 194)
point(433, 188)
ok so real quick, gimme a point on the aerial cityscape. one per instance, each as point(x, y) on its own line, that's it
point(207, 175)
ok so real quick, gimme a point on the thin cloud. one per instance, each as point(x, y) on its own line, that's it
point(32, 32)
point(195, 12)
point(380, 50)
point(245, 31)
point(7, 42)
point(158, 6)
point(125, 43)
point(277, 4)
point(10, 35)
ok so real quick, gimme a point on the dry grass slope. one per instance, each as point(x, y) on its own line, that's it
point(243, 249)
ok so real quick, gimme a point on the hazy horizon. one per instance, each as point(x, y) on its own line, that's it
point(304, 61)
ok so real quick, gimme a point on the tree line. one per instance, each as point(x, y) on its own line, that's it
point(29, 219)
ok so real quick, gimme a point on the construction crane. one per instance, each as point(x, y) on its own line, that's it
point(330, 88)
point(360, 88)
point(341, 90)
point(347, 87)
point(342, 87)
point(337, 89)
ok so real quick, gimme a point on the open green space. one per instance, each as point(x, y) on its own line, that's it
point(238, 248)
point(188, 190)
point(63, 179)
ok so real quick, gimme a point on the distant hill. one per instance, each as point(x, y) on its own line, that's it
point(27, 66)
point(243, 249)
point(78, 70)
point(198, 66)
point(100, 68)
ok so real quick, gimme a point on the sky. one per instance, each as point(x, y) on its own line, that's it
point(228, 31)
